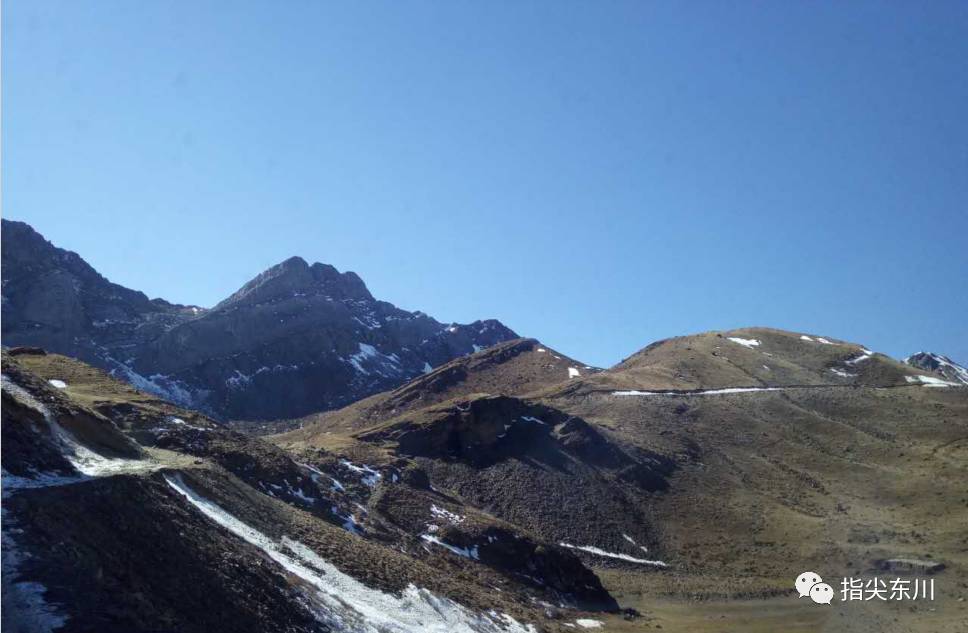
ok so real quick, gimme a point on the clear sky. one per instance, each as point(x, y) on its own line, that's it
point(598, 175)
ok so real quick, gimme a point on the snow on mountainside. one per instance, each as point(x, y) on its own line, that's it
point(937, 363)
point(296, 339)
point(113, 495)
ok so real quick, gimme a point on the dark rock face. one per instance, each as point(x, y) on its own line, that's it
point(296, 339)
point(54, 300)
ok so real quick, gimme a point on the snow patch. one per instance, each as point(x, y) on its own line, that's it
point(573, 372)
point(587, 623)
point(842, 373)
point(446, 515)
point(83, 459)
point(931, 381)
point(60, 384)
point(466, 552)
point(632, 541)
point(316, 473)
point(707, 392)
point(368, 476)
point(745, 342)
point(160, 385)
point(344, 603)
point(13, 483)
point(600, 552)
point(375, 359)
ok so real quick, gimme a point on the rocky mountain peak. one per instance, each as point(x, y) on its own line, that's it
point(939, 364)
point(296, 278)
point(297, 338)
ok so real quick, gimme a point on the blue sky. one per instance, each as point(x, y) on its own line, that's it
point(597, 175)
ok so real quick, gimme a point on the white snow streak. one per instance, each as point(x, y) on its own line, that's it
point(345, 603)
point(84, 460)
point(745, 342)
point(600, 552)
point(708, 392)
point(466, 552)
point(842, 373)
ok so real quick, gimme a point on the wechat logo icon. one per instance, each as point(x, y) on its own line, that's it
point(810, 584)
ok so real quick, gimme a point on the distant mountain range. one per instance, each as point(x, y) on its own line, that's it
point(296, 339)
point(299, 339)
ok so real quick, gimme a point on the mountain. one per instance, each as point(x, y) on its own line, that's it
point(514, 367)
point(712, 467)
point(751, 357)
point(296, 339)
point(500, 492)
point(941, 365)
point(463, 479)
point(53, 299)
point(125, 513)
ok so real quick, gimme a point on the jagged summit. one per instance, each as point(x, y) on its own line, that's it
point(939, 364)
point(294, 278)
point(296, 339)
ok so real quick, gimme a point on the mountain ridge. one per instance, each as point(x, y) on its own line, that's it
point(939, 364)
point(297, 338)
